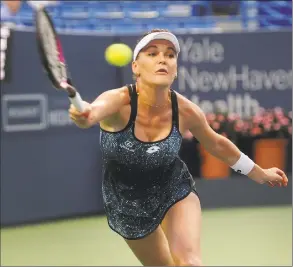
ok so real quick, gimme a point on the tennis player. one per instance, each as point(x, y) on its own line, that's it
point(149, 196)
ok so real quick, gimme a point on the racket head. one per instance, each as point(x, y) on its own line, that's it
point(50, 49)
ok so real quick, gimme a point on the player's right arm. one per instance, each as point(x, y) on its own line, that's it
point(107, 105)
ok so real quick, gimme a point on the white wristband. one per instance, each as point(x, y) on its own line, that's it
point(244, 165)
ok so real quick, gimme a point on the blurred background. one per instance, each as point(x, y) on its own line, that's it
point(235, 63)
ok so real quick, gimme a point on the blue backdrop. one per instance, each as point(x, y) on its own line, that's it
point(234, 72)
point(50, 168)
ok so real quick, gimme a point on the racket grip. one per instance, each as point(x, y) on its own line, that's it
point(77, 102)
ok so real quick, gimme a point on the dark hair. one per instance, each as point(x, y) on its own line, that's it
point(144, 35)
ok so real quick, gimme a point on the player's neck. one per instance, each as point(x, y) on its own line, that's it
point(153, 97)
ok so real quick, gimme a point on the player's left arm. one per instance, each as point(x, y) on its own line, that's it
point(222, 148)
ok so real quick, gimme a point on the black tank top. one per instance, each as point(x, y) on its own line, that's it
point(141, 179)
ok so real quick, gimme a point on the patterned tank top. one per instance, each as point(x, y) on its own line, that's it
point(142, 180)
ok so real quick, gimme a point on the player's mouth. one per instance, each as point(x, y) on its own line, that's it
point(162, 72)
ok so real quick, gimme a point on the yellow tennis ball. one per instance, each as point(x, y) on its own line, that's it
point(118, 54)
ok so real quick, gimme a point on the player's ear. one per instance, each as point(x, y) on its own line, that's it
point(135, 68)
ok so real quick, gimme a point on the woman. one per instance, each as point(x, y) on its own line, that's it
point(150, 198)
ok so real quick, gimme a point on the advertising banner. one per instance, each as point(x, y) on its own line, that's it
point(234, 73)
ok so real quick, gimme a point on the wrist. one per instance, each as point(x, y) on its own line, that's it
point(257, 173)
point(244, 165)
point(90, 116)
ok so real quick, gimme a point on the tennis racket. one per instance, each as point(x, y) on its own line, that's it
point(52, 57)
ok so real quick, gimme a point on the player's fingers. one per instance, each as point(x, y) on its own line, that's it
point(270, 184)
point(279, 177)
point(72, 117)
point(280, 172)
point(275, 179)
point(72, 110)
point(77, 118)
point(284, 181)
point(284, 177)
point(278, 182)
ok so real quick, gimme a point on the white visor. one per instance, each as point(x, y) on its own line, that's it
point(156, 36)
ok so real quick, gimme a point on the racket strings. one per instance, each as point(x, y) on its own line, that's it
point(52, 49)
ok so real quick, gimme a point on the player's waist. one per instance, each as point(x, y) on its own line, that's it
point(139, 175)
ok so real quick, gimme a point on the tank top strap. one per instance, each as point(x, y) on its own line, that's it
point(133, 101)
point(175, 112)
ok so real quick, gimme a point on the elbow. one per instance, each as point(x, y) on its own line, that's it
point(223, 148)
point(226, 150)
point(221, 144)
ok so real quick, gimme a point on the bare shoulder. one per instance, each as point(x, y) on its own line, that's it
point(122, 91)
point(120, 94)
point(190, 114)
point(112, 104)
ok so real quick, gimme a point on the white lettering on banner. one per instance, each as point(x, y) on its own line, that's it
point(29, 112)
point(25, 112)
point(209, 51)
point(255, 80)
point(205, 81)
point(199, 52)
point(249, 79)
point(244, 105)
point(59, 117)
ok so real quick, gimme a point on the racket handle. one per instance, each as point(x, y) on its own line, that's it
point(77, 102)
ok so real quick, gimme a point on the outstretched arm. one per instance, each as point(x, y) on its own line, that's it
point(103, 108)
point(225, 150)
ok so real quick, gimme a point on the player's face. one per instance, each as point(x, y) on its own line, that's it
point(157, 63)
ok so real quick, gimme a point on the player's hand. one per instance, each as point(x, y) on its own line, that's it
point(274, 177)
point(80, 118)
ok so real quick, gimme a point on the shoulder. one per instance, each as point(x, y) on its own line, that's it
point(189, 111)
point(122, 91)
point(120, 94)
point(187, 107)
